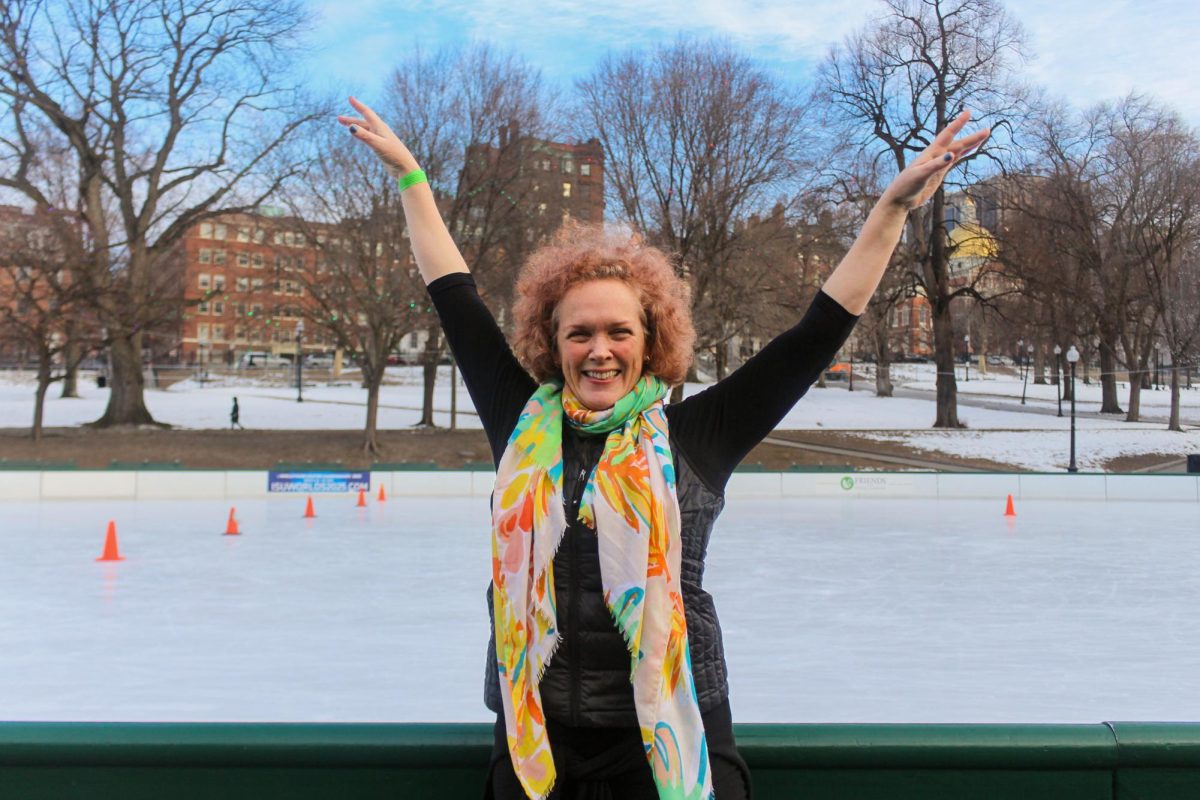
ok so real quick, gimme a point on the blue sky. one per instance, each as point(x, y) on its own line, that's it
point(1085, 50)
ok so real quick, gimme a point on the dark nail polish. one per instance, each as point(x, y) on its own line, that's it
point(354, 130)
point(947, 157)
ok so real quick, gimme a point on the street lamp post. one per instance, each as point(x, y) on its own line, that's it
point(1072, 357)
point(967, 347)
point(299, 365)
point(852, 369)
point(1059, 376)
point(1025, 381)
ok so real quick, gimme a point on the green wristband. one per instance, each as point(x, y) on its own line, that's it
point(412, 179)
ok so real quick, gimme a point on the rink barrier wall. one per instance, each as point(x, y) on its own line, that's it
point(182, 761)
point(179, 484)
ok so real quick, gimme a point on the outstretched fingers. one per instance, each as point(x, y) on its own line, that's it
point(369, 115)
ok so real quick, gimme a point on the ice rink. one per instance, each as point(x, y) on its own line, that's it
point(863, 610)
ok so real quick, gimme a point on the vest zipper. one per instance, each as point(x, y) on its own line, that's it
point(573, 615)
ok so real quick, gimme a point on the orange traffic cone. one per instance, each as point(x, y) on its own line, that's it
point(231, 527)
point(110, 544)
point(362, 499)
point(1010, 511)
point(382, 494)
point(308, 510)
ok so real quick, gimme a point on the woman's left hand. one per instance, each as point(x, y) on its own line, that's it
point(925, 174)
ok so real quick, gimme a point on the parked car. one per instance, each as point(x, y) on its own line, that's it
point(838, 372)
point(318, 362)
point(260, 359)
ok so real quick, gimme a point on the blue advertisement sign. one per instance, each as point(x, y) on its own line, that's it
point(318, 482)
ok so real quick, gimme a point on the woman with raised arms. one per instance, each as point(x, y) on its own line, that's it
point(606, 668)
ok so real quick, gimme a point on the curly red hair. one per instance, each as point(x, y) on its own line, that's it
point(581, 253)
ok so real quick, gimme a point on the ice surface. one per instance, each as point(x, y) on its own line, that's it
point(839, 610)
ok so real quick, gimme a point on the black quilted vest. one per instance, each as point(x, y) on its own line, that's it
point(587, 681)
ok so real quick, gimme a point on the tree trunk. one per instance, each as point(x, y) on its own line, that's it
point(947, 386)
point(71, 364)
point(1135, 399)
point(39, 405)
point(370, 436)
point(126, 401)
point(1108, 377)
point(883, 361)
point(1039, 365)
point(1173, 423)
point(721, 359)
point(429, 361)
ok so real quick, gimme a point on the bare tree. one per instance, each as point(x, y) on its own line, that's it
point(169, 112)
point(897, 82)
point(1162, 159)
point(696, 140)
point(1181, 319)
point(1113, 210)
point(38, 298)
point(363, 290)
point(472, 118)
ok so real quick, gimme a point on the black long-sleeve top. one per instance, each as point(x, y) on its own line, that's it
point(716, 427)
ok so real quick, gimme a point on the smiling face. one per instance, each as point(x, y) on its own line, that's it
point(601, 341)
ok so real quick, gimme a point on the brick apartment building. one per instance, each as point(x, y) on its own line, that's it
point(245, 274)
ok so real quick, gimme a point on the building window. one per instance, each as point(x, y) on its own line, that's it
point(202, 308)
point(205, 230)
point(202, 331)
point(218, 309)
point(205, 255)
point(219, 232)
point(218, 333)
point(256, 284)
point(243, 235)
point(541, 209)
point(205, 280)
point(585, 169)
point(546, 164)
point(278, 239)
point(259, 235)
point(566, 190)
point(257, 261)
point(218, 256)
point(218, 283)
point(243, 259)
point(239, 333)
point(568, 165)
point(243, 284)
point(289, 238)
point(256, 311)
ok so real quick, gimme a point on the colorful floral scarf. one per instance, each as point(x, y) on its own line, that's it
point(630, 502)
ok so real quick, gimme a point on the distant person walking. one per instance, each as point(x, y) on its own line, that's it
point(234, 414)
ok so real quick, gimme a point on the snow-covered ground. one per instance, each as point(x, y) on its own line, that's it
point(1026, 436)
point(834, 610)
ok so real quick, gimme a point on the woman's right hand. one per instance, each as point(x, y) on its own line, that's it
point(378, 136)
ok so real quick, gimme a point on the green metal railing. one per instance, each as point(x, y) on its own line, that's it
point(132, 761)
